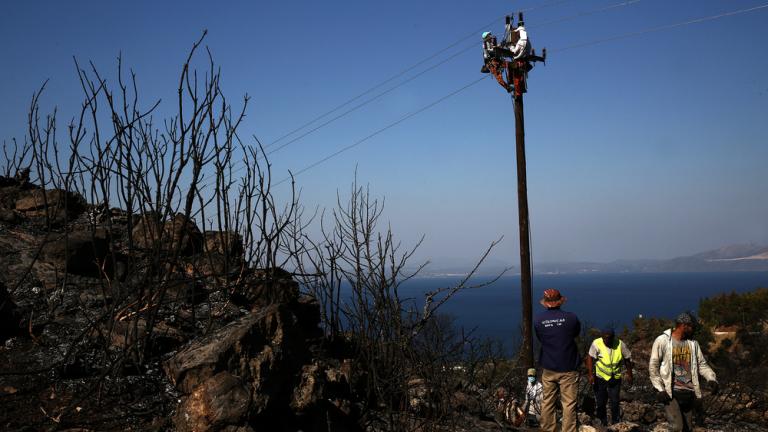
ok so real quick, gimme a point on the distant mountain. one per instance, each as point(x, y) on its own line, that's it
point(740, 257)
point(455, 267)
point(736, 252)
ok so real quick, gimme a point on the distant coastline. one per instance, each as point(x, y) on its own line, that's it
point(598, 298)
point(734, 258)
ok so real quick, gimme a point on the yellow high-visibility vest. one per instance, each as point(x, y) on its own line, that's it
point(608, 364)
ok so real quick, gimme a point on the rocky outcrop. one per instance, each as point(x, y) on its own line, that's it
point(221, 350)
point(639, 412)
point(229, 244)
point(222, 256)
point(183, 235)
point(124, 333)
point(20, 201)
point(269, 349)
point(10, 318)
point(8, 216)
point(79, 252)
point(263, 348)
point(219, 402)
point(625, 427)
point(266, 287)
point(177, 234)
point(309, 390)
point(146, 231)
point(55, 206)
point(182, 334)
point(11, 190)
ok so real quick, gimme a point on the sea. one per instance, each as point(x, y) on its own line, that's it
point(599, 299)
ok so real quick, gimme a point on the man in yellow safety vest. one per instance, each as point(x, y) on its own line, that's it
point(607, 355)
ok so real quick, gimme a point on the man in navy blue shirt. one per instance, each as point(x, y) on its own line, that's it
point(557, 330)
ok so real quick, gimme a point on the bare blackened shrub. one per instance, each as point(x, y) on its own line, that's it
point(186, 237)
point(183, 231)
point(412, 359)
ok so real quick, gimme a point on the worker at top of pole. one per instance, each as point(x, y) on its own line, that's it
point(489, 45)
point(523, 47)
point(493, 61)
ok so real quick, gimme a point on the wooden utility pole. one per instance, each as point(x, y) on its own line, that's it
point(526, 349)
point(517, 74)
point(518, 58)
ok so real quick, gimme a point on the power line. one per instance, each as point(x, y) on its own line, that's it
point(430, 105)
point(623, 36)
point(406, 70)
point(590, 12)
point(367, 101)
point(660, 28)
point(402, 83)
point(389, 126)
point(414, 66)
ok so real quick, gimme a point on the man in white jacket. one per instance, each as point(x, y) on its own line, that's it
point(674, 368)
point(522, 47)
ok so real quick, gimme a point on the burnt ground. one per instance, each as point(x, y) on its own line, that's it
point(228, 347)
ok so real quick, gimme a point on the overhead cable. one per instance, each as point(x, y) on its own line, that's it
point(660, 28)
point(391, 125)
point(413, 77)
point(406, 70)
point(430, 105)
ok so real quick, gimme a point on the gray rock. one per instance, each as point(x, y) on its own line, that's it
point(263, 346)
point(229, 244)
point(625, 427)
point(639, 412)
point(79, 252)
point(176, 234)
point(146, 231)
point(184, 235)
point(264, 287)
point(10, 318)
point(222, 349)
point(124, 334)
point(8, 216)
point(244, 428)
point(309, 390)
point(56, 205)
point(220, 401)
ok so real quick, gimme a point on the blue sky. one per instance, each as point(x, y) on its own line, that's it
point(650, 146)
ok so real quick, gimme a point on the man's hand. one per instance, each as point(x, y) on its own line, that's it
point(630, 380)
point(662, 397)
point(714, 387)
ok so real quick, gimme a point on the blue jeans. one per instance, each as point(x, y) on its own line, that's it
point(605, 391)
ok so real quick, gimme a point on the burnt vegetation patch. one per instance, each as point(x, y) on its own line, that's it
point(147, 287)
